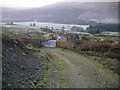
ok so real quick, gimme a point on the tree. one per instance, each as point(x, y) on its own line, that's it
point(11, 23)
point(63, 28)
point(34, 24)
point(31, 24)
point(52, 28)
point(7, 23)
point(78, 29)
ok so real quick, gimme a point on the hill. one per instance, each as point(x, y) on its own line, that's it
point(66, 12)
point(21, 69)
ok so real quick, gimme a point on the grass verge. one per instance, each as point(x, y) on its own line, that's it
point(48, 77)
point(102, 66)
point(62, 68)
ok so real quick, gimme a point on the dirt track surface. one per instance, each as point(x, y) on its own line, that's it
point(82, 73)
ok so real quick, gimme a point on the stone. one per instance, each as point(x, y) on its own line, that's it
point(22, 67)
point(10, 49)
point(23, 54)
point(79, 74)
point(21, 74)
point(32, 84)
point(36, 68)
point(35, 82)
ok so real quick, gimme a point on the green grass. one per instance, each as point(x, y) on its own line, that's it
point(45, 82)
point(63, 73)
point(103, 67)
point(62, 67)
point(31, 47)
point(106, 33)
point(112, 77)
point(47, 74)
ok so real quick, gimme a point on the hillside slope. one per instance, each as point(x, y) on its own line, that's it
point(64, 12)
point(21, 69)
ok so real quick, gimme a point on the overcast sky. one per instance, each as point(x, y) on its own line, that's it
point(40, 3)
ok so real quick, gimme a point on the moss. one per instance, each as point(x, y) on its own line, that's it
point(89, 86)
point(103, 65)
point(62, 70)
point(31, 47)
point(47, 73)
point(1, 56)
point(45, 82)
point(63, 73)
point(112, 77)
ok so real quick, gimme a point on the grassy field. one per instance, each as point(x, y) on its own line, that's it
point(69, 64)
point(55, 74)
point(61, 65)
point(109, 34)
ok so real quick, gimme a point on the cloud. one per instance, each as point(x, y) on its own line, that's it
point(27, 3)
point(91, 0)
point(40, 3)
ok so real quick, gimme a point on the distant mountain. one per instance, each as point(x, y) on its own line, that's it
point(66, 12)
